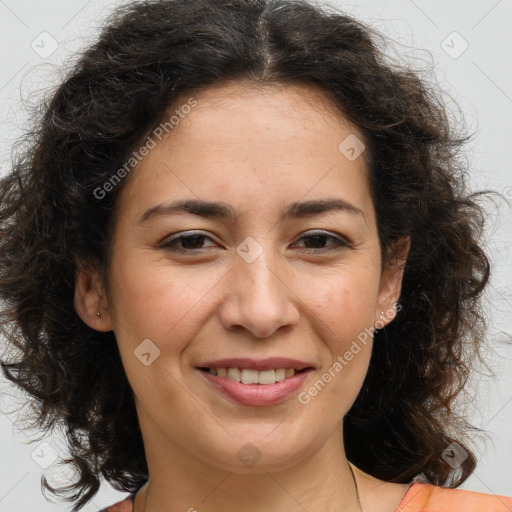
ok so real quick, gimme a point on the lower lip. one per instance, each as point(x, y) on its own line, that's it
point(257, 394)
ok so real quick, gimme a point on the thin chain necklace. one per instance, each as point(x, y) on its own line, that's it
point(355, 488)
point(353, 479)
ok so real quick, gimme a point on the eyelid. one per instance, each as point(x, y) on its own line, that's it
point(313, 232)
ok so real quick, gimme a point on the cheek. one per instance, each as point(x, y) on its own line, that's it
point(157, 302)
point(344, 307)
point(142, 298)
point(346, 299)
point(344, 316)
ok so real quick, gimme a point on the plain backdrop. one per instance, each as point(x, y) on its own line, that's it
point(463, 45)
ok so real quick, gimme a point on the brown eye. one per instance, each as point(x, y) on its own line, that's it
point(319, 240)
point(184, 243)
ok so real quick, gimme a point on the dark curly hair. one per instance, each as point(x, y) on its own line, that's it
point(122, 87)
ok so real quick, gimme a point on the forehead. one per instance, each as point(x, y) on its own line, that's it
point(239, 140)
point(292, 108)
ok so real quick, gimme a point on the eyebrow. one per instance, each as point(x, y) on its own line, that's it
point(224, 211)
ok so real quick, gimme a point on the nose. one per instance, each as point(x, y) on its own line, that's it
point(259, 299)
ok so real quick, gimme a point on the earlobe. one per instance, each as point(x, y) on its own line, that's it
point(90, 301)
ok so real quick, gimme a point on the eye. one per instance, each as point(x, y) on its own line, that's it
point(317, 241)
point(314, 241)
point(185, 243)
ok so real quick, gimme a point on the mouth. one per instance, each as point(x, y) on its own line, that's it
point(253, 387)
point(250, 376)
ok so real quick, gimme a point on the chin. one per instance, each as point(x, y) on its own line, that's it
point(249, 454)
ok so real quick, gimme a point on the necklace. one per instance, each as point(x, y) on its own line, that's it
point(355, 488)
point(353, 479)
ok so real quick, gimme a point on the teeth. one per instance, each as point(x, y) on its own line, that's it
point(280, 374)
point(254, 376)
point(249, 376)
point(266, 377)
point(233, 374)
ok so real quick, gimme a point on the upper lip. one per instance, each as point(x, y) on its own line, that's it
point(270, 363)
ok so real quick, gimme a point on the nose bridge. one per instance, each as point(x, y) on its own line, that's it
point(262, 280)
point(260, 299)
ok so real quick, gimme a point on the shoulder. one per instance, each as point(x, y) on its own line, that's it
point(423, 497)
point(125, 505)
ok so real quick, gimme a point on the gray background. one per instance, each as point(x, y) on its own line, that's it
point(464, 45)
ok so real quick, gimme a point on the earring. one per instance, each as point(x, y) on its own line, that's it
point(98, 315)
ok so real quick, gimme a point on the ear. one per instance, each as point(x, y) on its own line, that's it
point(90, 299)
point(391, 283)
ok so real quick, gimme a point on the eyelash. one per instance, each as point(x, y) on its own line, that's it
point(339, 243)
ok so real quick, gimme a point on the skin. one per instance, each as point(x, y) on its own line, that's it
point(257, 149)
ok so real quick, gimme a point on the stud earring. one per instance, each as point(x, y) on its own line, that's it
point(98, 315)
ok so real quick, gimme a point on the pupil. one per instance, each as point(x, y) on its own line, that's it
point(318, 241)
point(192, 242)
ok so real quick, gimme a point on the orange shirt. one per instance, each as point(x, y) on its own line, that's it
point(433, 498)
point(419, 498)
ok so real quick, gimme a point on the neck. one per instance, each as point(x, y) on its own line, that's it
point(322, 480)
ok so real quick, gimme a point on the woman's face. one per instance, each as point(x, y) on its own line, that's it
point(282, 261)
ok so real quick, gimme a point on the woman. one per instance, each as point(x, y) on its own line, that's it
point(241, 267)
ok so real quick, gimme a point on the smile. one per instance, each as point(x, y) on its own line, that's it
point(247, 376)
point(244, 386)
